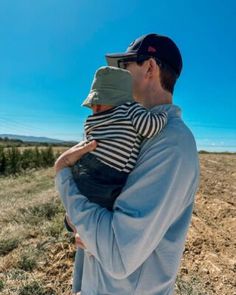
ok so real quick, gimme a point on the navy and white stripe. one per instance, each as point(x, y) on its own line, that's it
point(120, 131)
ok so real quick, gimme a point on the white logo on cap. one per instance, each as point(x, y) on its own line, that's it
point(132, 43)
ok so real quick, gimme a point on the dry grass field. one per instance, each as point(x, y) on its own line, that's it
point(36, 253)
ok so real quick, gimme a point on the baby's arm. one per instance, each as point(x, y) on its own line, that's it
point(145, 122)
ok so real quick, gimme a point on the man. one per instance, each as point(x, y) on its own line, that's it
point(137, 248)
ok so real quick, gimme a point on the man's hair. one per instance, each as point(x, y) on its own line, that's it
point(168, 77)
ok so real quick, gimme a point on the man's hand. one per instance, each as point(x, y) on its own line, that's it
point(72, 155)
point(78, 242)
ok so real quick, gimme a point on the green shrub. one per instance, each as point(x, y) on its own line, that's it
point(7, 246)
point(1, 285)
point(35, 214)
point(34, 288)
point(56, 227)
point(191, 287)
point(27, 262)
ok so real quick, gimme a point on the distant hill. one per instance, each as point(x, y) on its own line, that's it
point(32, 138)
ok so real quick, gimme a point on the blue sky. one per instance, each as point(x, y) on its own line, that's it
point(50, 50)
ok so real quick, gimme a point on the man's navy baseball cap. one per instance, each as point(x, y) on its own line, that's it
point(162, 48)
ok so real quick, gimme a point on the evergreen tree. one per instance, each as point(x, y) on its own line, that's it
point(37, 158)
point(50, 156)
point(47, 157)
point(3, 161)
point(12, 161)
point(14, 158)
point(27, 159)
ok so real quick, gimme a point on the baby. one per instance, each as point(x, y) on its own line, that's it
point(118, 124)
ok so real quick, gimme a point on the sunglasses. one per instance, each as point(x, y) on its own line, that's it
point(123, 63)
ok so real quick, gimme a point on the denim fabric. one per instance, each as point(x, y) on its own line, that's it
point(100, 183)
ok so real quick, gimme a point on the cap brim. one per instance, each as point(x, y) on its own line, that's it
point(112, 59)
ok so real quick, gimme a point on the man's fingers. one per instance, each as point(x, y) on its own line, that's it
point(81, 246)
point(79, 242)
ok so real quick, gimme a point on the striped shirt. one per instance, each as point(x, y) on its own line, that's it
point(120, 131)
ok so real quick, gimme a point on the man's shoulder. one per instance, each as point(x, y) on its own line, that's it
point(176, 136)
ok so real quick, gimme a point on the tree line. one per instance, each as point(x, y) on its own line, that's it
point(14, 161)
point(7, 142)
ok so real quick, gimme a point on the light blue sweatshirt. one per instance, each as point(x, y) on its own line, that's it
point(137, 248)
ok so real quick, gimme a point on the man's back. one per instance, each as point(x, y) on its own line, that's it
point(139, 246)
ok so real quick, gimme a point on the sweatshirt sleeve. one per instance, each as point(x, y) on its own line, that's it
point(145, 122)
point(156, 193)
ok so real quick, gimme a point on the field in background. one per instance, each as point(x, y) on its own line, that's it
point(36, 253)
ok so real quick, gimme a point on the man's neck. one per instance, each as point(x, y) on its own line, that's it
point(157, 97)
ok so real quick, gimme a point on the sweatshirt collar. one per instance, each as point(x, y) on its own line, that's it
point(172, 110)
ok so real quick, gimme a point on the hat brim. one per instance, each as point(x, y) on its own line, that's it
point(112, 59)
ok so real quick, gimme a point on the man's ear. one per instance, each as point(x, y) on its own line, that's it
point(152, 67)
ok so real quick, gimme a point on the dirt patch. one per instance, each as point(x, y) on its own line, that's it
point(210, 253)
